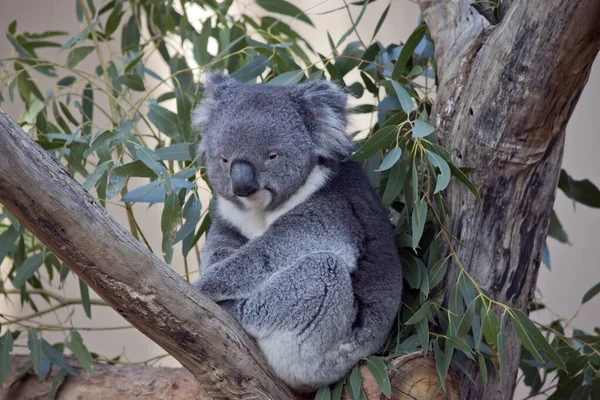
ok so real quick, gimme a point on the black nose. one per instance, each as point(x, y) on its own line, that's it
point(243, 179)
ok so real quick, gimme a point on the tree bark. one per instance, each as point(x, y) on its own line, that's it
point(505, 95)
point(114, 382)
point(144, 290)
point(416, 378)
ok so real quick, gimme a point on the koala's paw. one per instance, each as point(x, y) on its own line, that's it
point(212, 287)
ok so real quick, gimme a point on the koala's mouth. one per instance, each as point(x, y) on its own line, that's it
point(258, 200)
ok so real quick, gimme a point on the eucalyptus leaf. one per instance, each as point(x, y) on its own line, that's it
point(6, 347)
point(27, 269)
point(133, 81)
point(35, 347)
point(379, 371)
point(422, 129)
point(591, 293)
point(390, 159)
point(78, 54)
point(284, 8)
point(75, 344)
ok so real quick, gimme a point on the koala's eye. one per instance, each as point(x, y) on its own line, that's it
point(272, 156)
point(224, 160)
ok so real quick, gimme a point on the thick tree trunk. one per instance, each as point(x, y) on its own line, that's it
point(505, 94)
point(144, 290)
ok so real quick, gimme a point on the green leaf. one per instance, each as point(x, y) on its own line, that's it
point(482, 369)
point(99, 141)
point(369, 84)
point(356, 379)
point(75, 344)
point(422, 129)
point(437, 272)
point(85, 298)
point(490, 325)
point(201, 54)
point(423, 332)
point(56, 357)
point(114, 19)
point(27, 269)
point(466, 181)
point(175, 152)
point(93, 178)
point(583, 191)
point(458, 343)
point(501, 343)
point(35, 347)
point(406, 101)
point(287, 78)
point(391, 158)
point(64, 271)
point(443, 179)
point(379, 371)
point(467, 319)
point(136, 168)
point(418, 219)
point(184, 113)
point(533, 339)
point(591, 293)
point(8, 239)
point(422, 313)
point(6, 347)
point(169, 220)
point(380, 22)
point(148, 157)
point(440, 362)
point(77, 55)
point(57, 381)
point(284, 8)
point(87, 109)
point(394, 185)
point(353, 27)
point(18, 47)
point(165, 120)
point(338, 389)
point(251, 70)
point(375, 143)
point(130, 37)
point(78, 10)
point(411, 270)
point(556, 230)
point(407, 51)
point(324, 393)
point(455, 310)
point(133, 81)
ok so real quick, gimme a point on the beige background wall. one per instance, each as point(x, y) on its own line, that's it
point(575, 268)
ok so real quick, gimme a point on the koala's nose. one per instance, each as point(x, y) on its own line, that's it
point(243, 179)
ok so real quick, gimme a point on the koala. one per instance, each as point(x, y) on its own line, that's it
point(300, 250)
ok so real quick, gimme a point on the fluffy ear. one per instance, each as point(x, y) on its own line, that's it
point(323, 105)
point(214, 87)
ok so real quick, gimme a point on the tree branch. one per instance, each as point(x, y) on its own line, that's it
point(144, 290)
point(113, 382)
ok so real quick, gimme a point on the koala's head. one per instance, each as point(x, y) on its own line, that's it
point(261, 142)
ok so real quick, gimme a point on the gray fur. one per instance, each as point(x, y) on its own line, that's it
point(319, 286)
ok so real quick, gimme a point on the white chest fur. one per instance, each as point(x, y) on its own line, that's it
point(253, 221)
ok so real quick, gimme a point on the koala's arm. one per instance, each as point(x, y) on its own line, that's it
point(245, 270)
point(221, 242)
